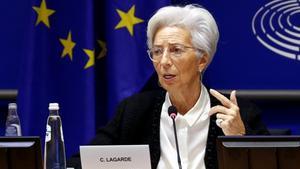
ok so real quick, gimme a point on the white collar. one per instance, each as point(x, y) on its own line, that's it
point(196, 111)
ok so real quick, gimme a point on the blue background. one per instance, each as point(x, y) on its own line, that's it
point(241, 62)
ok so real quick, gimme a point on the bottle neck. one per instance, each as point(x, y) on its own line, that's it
point(54, 113)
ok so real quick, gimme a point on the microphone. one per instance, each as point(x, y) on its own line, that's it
point(172, 111)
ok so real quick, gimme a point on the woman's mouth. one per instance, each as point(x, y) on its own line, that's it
point(168, 76)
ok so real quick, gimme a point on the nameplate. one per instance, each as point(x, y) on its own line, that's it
point(115, 157)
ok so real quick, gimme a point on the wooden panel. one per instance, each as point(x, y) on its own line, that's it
point(3, 159)
point(233, 159)
point(288, 158)
point(262, 158)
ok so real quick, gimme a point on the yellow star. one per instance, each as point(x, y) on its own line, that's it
point(128, 20)
point(43, 13)
point(91, 55)
point(103, 52)
point(68, 46)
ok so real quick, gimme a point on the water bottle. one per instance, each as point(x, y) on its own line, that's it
point(54, 154)
point(13, 127)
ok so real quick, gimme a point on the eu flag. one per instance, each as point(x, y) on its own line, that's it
point(125, 68)
point(86, 55)
point(58, 66)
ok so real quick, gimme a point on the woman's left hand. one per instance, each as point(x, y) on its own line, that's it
point(228, 114)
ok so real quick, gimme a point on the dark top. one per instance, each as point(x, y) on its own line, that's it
point(137, 121)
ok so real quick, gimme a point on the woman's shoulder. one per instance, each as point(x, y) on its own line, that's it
point(141, 104)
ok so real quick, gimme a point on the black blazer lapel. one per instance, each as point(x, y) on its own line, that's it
point(155, 143)
point(210, 159)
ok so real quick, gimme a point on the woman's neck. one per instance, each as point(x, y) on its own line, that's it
point(184, 100)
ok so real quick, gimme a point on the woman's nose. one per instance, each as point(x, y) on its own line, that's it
point(165, 58)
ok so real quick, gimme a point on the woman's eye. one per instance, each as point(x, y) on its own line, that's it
point(177, 50)
point(157, 51)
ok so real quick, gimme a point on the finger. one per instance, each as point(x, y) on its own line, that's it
point(219, 122)
point(233, 97)
point(224, 125)
point(220, 109)
point(226, 102)
point(222, 116)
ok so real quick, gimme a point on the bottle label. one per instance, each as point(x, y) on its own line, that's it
point(48, 134)
point(11, 131)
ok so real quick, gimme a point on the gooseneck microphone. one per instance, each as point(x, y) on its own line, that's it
point(172, 111)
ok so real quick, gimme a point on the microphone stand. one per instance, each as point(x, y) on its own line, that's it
point(178, 156)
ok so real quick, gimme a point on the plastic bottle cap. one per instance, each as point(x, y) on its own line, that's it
point(12, 106)
point(53, 106)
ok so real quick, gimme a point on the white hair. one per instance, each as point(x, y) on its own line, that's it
point(194, 18)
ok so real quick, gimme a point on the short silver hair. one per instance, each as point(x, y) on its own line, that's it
point(194, 18)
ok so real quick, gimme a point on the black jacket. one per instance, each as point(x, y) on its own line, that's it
point(138, 122)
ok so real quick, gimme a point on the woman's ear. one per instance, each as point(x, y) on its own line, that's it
point(203, 61)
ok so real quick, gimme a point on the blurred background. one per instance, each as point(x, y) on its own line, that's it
point(88, 55)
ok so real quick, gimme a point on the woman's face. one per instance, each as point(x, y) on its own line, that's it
point(182, 71)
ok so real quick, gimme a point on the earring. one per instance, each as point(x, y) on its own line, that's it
point(200, 75)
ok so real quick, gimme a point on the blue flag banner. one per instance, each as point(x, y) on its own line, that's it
point(58, 66)
point(125, 67)
point(87, 56)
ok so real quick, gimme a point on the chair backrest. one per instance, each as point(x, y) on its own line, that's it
point(283, 131)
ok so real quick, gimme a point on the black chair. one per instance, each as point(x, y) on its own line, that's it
point(280, 131)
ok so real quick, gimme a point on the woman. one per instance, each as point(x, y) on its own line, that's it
point(182, 42)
